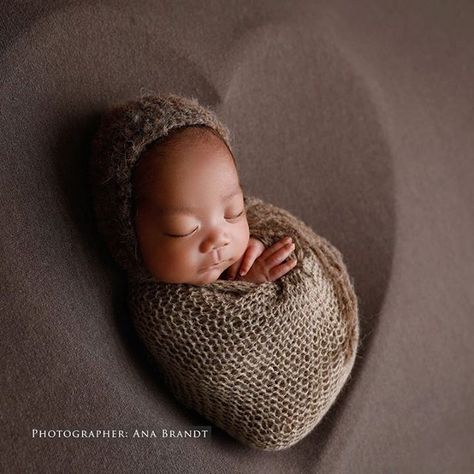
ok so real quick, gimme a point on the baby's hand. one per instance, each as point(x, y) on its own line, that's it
point(242, 266)
point(267, 265)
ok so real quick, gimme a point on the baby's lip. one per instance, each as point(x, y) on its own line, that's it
point(216, 264)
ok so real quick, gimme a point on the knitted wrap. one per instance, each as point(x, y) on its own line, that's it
point(264, 362)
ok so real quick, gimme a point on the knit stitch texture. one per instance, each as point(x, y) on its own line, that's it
point(264, 362)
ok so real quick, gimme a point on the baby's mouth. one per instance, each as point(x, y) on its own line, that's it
point(215, 265)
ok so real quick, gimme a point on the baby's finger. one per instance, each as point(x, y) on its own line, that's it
point(232, 270)
point(249, 258)
point(280, 270)
point(280, 255)
point(276, 246)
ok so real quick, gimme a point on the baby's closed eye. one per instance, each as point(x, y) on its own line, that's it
point(186, 234)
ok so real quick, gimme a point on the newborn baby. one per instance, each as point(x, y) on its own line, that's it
point(262, 357)
point(190, 217)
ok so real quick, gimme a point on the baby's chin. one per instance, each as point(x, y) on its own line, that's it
point(209, 276)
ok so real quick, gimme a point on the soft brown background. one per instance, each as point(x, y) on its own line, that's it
point(356, 116)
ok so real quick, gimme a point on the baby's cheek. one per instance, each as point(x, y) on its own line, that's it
point(169, 252)
point(244, 237)
point(176, 256)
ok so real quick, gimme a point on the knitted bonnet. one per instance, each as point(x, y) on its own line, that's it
point(125, 132)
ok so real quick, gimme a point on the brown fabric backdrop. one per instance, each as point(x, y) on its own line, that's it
point(355, 116)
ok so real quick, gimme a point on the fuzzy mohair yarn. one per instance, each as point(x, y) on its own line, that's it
point(264, 362)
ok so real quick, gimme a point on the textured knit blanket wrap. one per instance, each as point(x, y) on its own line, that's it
point(266, 361)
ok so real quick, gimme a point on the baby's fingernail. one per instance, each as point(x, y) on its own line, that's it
point(242, 272)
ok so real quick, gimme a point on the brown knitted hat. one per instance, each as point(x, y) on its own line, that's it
point(125, 131)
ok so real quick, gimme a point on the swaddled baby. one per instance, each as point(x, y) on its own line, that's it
point(255, 333)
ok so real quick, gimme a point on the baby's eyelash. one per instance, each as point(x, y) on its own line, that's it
point(186, 235)
point(235, 217)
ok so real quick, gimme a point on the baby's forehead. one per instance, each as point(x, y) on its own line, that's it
point(188, 163)
point(173, 205)
point(191, 146)
point(189, 138)
point(186, 169)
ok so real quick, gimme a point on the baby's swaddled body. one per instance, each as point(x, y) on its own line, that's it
point(262, 361)
point(264, 356)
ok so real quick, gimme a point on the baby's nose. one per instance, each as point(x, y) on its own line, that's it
point(217, 241)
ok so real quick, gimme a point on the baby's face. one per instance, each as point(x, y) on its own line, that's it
point(190, 210)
